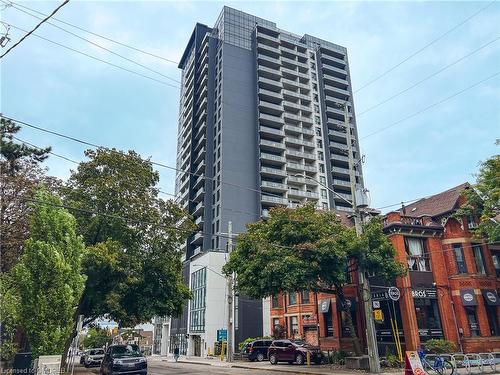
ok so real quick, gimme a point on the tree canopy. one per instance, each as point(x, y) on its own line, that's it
point(483, 200)
point(307, 249)
point(48, 279)
point(133, 265)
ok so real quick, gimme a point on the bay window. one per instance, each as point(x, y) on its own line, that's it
point(417, 256)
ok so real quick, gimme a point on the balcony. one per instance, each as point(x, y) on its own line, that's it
point(198, 209)
point(270, 73)
point(302, 180)
point(288, 83)
point(270, 145)
point(342, 171)
point(334, 81)
point(199, 182)
point(341, 183)
point(272, 172)
point(341, 146)
point(335, 91)
point(300, 167)
point(261, 35)
point(292, 193)
point(274, 109)
point(291, 116)
point(273, 186)
point(298, 130)
point(268, 50)
point(269, 60)
point(299, 154)
point(344, 196)
point(295, 73)
point(274, 200)
point(271, 96)
point(199, 195)
point(296, 95)
point(298, 141)
point(294, 62)
point(200, 221)
point(274, 159)
point(200, 168)
point(336, 72)
point(271, 131)
point(270, 84)
point(197, 239)
point(271, 120)
point(200, 155)
point(330, 60)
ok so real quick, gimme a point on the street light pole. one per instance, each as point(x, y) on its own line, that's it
point(371, 337)
point(230, 298)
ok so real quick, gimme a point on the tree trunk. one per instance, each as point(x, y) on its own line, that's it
point(350, 325)
point(74, 331)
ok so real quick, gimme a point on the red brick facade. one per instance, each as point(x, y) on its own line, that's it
point(450, 290)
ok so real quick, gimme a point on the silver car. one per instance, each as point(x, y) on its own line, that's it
point(93, 357)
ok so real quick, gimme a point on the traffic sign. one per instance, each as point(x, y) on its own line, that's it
point(394, 293)
point(378, 315)
point(222, 335)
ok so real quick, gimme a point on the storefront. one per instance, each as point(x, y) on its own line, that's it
point(427, 313)
point(346, 314)
point(491, 304)
point(387, 322)
point(324, 308)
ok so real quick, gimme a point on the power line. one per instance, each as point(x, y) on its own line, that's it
point(100, 46)
point(424, 47)
point(428, 77)
point(28, 33)
point(96, 34)
point(192, 200)
point(98, 59)
point(432, 105)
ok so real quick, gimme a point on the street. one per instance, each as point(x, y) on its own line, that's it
point(162, 368)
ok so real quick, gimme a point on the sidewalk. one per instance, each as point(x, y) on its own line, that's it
point(266, 366)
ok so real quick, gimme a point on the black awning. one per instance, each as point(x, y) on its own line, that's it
point(491, 297)
point(324, 305)
point(468, 297)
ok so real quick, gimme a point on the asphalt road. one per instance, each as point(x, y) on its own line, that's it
point(163, 368)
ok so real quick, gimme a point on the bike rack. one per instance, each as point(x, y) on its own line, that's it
point(488, 359)
point(460, 361)
point(475, 361)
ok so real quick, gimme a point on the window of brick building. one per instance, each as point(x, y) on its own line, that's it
point(292, 298)
point(459, 258)
point(478, 258)
point(417, 255)
point(275, 302)
point(305, 296)
point(294, 324)
point(496, 262)
point(472, 320)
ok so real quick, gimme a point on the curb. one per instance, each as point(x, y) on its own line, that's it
point(278, 369)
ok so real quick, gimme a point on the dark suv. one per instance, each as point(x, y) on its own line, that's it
point(288, 351)
point(257, 350)
point(123, 359)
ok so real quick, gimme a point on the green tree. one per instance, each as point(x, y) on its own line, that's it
point(96, 337)
point(9, 307)
point(48, 278)
point(11, 153)
point(133, 264)
point(307, 249)
point(483, 200)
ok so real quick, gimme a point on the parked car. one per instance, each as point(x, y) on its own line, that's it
point(124, 359)
point(257, 350)
point(93, 357)
point(289, 351)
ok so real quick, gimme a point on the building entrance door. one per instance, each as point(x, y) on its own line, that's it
point(197, 346)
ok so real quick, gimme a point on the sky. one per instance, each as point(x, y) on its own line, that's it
point(50, 86)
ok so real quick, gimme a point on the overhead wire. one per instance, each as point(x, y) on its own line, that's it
point(96, 58)
point(435, 40)
point(101, 47)
point(432, 105)
point(96, 34)
point(428, 77)
point(28, 33)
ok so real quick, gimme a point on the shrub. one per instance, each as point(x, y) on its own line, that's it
point(440, 346)
point(250, 339)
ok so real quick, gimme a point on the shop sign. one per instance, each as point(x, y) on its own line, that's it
point(310, 320)
point(376, 304)
point(349, 304)
point(324, 306)
point(424, 293)
point(379, 296)
point(491, 297)
point(468, 297)
point(394, 293)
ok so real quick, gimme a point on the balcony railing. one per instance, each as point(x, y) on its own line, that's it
point(271, 199)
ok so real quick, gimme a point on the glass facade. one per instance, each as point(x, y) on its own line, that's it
point(198, 303)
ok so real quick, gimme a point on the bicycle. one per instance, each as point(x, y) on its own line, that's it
point(439, 365)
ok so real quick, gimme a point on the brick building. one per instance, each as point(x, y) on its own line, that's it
point(450, 291)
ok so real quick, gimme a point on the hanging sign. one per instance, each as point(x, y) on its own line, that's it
point(394, 293)
point(378, 315)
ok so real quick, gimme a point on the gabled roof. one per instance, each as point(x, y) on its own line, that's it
point(435, 205)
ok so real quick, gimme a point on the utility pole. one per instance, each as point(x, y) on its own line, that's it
point(230, 297)
point(371, 338)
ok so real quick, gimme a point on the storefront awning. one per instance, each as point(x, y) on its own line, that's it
point(324, 306)
point(491, 297)
point(468, 297)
